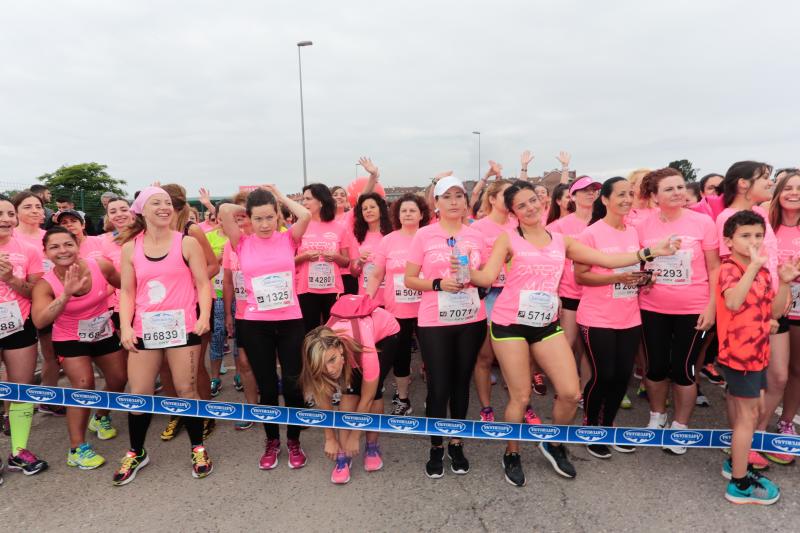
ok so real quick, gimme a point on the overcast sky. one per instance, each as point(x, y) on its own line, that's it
point(206, 93)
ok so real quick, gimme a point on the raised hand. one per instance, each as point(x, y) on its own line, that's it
point(564, 158)
point(6, 268)
point(526, 158)
point(441, 175)
point(205, 196)
point(368, 165)
point(73, 281)
point(495, 169)
point(756, 258)
point(788, 272)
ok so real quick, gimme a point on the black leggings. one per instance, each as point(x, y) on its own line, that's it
point(671, 346)
point(387, 348)
point(264, 339)
point(138, 424)
point(611, 353)
point(402, 359)
point(316, 308)
point(449, 353)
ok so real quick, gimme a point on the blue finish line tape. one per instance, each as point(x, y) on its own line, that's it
point(405, 425)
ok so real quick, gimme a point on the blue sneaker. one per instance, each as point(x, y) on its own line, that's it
point(216, 387)
point(237, 383)
point(761, 491)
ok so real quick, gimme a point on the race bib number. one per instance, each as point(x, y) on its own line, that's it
point(321, 275)
point(218, 281)
point(163, 329)
point(674, 269)
point(369, 268)
point(95, 329)
point(403, 294)
point(623, 290)
point(273, 291)
point(794, 310)
point(501, 278)
point(10, 318)
point(537, 308)
point(239, 290)
point(459, 307)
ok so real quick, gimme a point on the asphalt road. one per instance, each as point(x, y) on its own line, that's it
point(648, 490)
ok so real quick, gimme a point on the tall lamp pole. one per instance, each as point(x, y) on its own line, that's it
point(302, 117)
point(479, 153)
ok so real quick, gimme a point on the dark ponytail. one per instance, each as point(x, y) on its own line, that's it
point(598, 207)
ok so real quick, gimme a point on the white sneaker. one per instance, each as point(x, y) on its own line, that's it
point(657, 420)
point(676, 450)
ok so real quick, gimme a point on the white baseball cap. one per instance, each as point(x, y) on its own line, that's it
point(446, 183)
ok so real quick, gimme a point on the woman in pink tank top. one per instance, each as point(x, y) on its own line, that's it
point(525, 317)
point(158, 320)
point(73, 298)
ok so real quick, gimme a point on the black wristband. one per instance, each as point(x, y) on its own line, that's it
point(437, 284)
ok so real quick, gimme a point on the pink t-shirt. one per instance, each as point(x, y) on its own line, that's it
point(681, 283)
point(267, 266)
point(530, 297)
point(36, 242)
point(25, 261)
point(206, 226)
point(92, 247)
point(431, 251)
point(491, 230)
point(374, 329)
point(788, 249)
point(230, 262)
point(113, 253)
point(391, 254)
point(321, 277)
point(85, 318)
point(770, 240)
point(636, 216)
point(613, 306)
point(371, 241)
point(572, 226)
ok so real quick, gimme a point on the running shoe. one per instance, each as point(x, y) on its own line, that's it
point(710, 373)
point(158, 387)
point(223, 369)
point(458, 463)
point(701, 400)
point(336, 399)
point(779, 458)
point(727, 470)
point(201, 464)
point(269, 459)
point(759, 491)
point(237, 383)
point(173, 428)
point(676, 450)
point(657, 420)
point(372, 457)
point(53, 410)
point(512, 467)
point(341, 470)
point(226, 349)
point(601, 451)
point(641, 392)
point(434, 468)
point(487, 414)
point(84, 457)
point(623, 448)
point(297, 457)
point(558, 458)
point(241, 426)
point(131, 464)
point(209, 425)
point(26, 462)
point(102, 426)
point(216, 387)
point(401, 407)
point(538, 384)
point(492, 378)
point(625, 403)
point(756, 460)
point(531, 417)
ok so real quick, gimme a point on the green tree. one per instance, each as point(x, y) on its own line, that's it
point(685, 167)
point(84, 183)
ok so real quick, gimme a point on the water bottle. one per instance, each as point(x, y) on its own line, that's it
point(462, 274)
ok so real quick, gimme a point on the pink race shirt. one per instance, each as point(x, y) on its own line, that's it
point(391, 254)
point(431, 251)
point(321, 277)
point(530, 297)
point(113, 253)
point(36, 242)
point(25, 261)
point(770, 240)
point(230, 262)
point(614, 306)
point(371, 241)
point(681, 282)
point(92, 247)
point(491, 230)
point(373, 329)
point(572, 226)
point(788, 249)
point(636, 216)
point(85, 318)
point(267, 266)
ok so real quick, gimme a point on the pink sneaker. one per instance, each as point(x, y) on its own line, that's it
point(487, 414)
point(297, 457)
point(757, 461)
point(372, 457)
point(341, 472)
point(271, 452)
point(531, 417)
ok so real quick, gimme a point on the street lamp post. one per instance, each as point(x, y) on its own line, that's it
point(302, 117)
point(479, 153)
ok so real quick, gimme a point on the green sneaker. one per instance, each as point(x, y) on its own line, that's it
point(626, 402)
point(84, 457)
point(102, 426)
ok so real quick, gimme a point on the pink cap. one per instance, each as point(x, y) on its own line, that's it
point(145, 195)
point(582, 183)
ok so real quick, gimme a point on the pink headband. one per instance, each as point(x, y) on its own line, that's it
point(145, 195)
